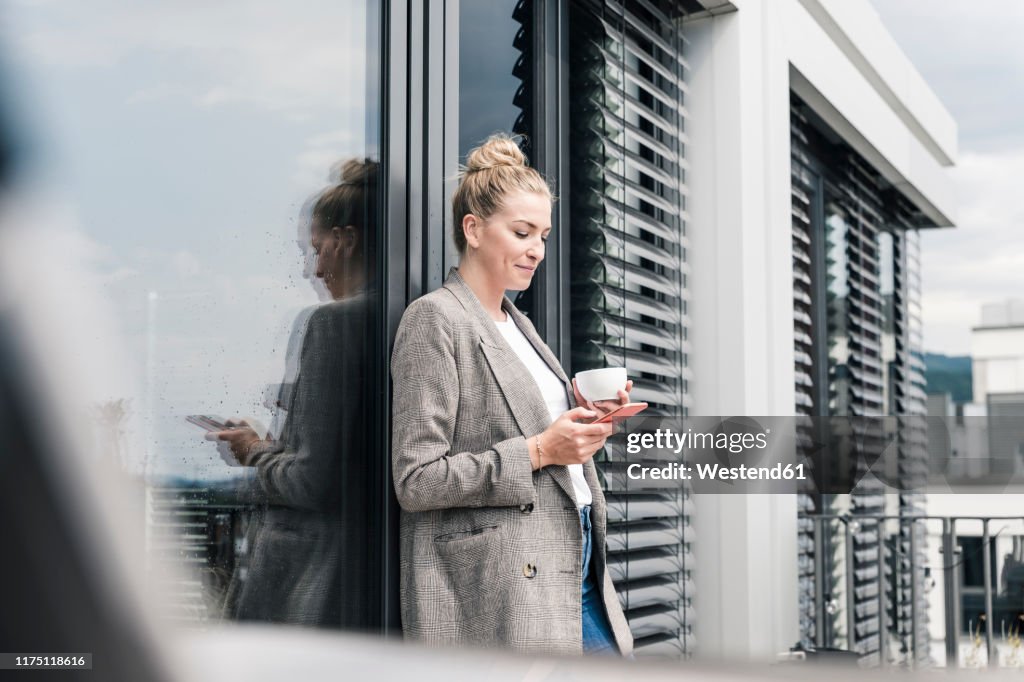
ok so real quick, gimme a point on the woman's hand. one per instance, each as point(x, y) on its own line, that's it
point(568, 442)
point(239, 439)
point(603, 407)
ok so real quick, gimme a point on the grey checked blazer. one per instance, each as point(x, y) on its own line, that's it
point(307, 560)
point(490, 550)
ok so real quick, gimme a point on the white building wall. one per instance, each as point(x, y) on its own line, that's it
point(742, 310)
point(743, 66)
point(1005, 314)
point(997, 359)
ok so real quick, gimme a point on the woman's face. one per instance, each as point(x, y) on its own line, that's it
point(329, 262)
point(510, 244)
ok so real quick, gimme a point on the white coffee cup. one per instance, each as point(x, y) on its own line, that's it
point(601, 384)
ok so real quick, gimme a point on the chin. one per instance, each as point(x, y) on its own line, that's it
point(521, 283)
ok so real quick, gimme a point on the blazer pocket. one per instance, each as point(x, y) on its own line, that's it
point(455, 536)
point(470, 562)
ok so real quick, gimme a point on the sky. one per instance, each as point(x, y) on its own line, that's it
point(972, 56)
point(181, 139)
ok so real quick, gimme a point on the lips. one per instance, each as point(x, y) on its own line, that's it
point(524, 267)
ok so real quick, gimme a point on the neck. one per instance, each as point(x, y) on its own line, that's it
point(351, 284)
point(488, 292)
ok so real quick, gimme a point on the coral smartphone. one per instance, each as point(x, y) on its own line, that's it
point(621, 412)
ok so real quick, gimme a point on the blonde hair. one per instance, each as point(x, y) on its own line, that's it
point(352, 199)
point(493, 170)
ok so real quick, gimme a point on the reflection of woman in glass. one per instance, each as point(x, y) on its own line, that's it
point(309, 540)
point(503, 523)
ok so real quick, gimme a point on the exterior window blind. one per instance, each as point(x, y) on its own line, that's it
point(908, 403)
point(629, 286)
point(857, 381)
point(856, 295)
point(804, 189)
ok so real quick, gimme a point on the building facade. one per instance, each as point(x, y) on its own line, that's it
point(997, 361)
point(741, 189)
point(723, 168)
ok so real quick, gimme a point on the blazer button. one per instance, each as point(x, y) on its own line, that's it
point(526, 508)
point(529, 570)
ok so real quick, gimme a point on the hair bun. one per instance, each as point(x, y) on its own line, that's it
point(354, 171)
point(493, 170)
point(497, 150)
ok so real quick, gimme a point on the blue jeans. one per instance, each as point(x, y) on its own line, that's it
point(597, 631)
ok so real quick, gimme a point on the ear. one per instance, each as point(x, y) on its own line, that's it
point(349, 241)
point(337, 234)
point(471, 227)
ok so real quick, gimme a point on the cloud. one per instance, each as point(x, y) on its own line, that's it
point(186, 264)
point(52, 274)
point(155, 93)
point(238, 52)
point(119, 275)
point(972, 55)
point(981, 260)
point(321, 153)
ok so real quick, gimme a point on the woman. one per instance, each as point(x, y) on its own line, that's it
point(309, 541)
point(503, 518)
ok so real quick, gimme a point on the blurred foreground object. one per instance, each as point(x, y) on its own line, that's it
point(63, 590)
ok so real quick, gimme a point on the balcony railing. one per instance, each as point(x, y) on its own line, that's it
point(963, 606)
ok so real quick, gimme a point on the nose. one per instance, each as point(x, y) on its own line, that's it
point(536, 251)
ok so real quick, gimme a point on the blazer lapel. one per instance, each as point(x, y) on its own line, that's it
point(525, 401)
point(523, 397)
point(542, 348)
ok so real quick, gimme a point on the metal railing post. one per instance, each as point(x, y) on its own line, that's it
point(987, 564)
point(851, 633)
point(819, 580)
point(949, 589)
point(913, 594)
point(883, 620)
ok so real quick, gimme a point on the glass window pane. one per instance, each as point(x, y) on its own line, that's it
point(222, 185)
point(493, 64)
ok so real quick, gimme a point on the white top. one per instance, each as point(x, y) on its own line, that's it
point(553, 390)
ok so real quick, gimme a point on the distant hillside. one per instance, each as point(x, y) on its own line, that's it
point(949, 374)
